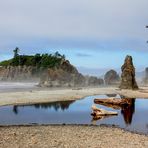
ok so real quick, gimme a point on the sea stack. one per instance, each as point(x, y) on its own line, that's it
point(128, 80)
point(111, 77)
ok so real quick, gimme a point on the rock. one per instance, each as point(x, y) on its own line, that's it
point(63, 75)
point(145, 80)
point(128, 80)
point(68, 76)
point(111, 78)
point(93, 81)
point(20, 73)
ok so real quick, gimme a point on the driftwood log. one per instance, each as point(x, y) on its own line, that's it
point(116, 102)
point(97, 112)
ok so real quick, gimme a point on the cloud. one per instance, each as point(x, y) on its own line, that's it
point(83, 55)
point(85, 20)
point(82, 26)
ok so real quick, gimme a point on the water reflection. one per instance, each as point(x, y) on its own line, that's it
point(15, 109)
point(126, 105)
point(128, 111)
point(132, 114)
point(63, 105)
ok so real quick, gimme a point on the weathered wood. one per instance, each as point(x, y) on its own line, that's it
point(113, 101)
point(101, 112)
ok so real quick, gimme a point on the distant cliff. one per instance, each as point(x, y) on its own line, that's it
point(20, 73)
point(48, 70)
point(65, 75)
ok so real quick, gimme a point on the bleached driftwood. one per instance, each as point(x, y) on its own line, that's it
point(101, 112)
point(112, 101)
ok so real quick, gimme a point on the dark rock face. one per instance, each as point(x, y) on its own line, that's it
point(94, 81)
point(20, 73)
point(62, 78)
point(145, 80)
point(111, 78)
point(128, 80)
point(67, 76)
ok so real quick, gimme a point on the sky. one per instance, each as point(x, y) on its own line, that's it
point(95, 35)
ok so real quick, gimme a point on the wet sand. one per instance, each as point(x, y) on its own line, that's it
point(70, 137)
point(31, 96)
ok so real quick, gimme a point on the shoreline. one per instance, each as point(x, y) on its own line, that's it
point(33, 96)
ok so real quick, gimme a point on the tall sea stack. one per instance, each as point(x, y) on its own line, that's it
point(128, 80)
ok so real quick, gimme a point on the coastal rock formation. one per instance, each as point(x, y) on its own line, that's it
point(20, 73)
point(67, 76)
point(50, 70)
point(64, 76)
point(111, 78)
point(145, 80)
point(93, 81)
point(128, 80)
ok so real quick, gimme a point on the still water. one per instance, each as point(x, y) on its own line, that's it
point(133, 118)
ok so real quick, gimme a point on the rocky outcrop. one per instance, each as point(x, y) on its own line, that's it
point(93, 81)
point(145, 80)
point(111, 78)
point(20, 73)
point(67, 76)
point(64, 76)
point(128, 80)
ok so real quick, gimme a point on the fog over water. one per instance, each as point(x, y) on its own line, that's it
point(17, 86)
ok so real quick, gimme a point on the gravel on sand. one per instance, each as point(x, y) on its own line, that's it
point(69, 136)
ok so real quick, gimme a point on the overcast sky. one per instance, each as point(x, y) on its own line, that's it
point(95, 34)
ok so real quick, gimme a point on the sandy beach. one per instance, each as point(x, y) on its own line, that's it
point(33, 95)
point(70, 137)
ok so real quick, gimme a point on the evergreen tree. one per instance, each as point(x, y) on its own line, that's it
point(16, 50)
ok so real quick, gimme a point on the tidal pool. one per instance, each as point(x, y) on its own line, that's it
point(133, 118)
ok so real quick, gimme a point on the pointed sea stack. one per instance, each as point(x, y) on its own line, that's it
point(128, 80)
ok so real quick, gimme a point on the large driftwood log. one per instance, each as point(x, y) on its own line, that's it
point(97, 112)
point(117, 102)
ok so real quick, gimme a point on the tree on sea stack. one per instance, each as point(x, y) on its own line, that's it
point(16, 50)
point(128, 80)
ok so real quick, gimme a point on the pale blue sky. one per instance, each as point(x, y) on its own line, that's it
point(95, 34)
